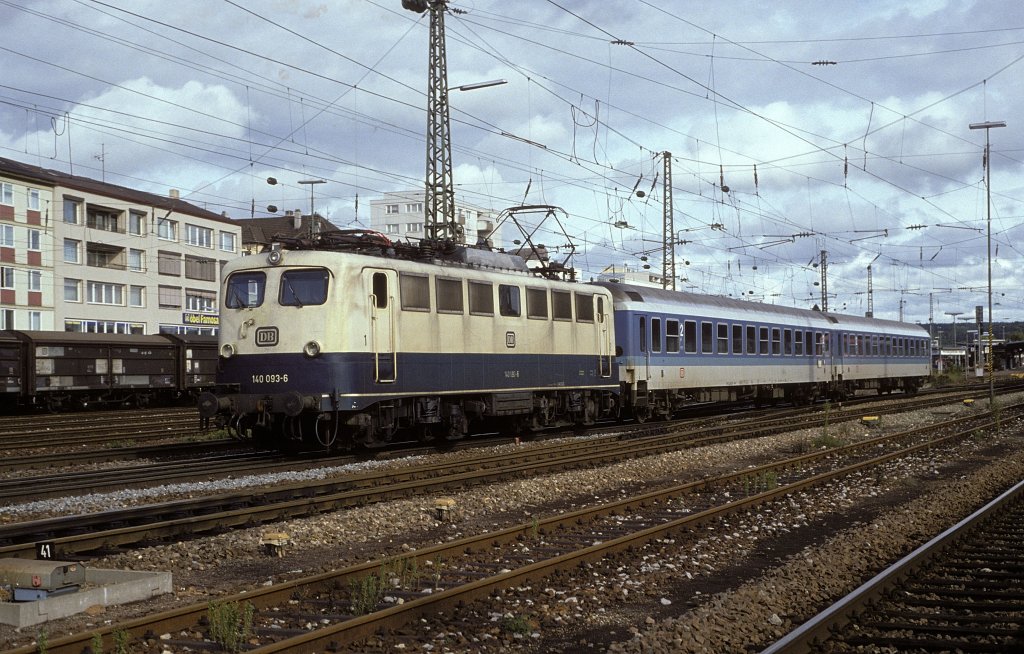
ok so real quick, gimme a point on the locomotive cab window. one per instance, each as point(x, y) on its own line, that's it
point(415, 292)
point(380, 290)
point(509, 303)
point(584, 307)
point(245, 289)
point(449, 295)
point(300, 288)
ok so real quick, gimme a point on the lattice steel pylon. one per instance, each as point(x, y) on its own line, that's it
point(668, 262)
point(824, 281)
point(439, 203)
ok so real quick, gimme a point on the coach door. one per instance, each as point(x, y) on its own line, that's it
point(380, 286)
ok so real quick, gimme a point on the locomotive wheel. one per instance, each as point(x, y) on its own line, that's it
point(426, 433)
point(641, 414)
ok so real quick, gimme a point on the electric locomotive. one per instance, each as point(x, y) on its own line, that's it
point(347, 339)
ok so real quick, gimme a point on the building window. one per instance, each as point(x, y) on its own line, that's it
point(6, 193)
point(206, 301)
point(168, 263)
point(137, 296)
point(136, 223)
point(72, 250)
point(104, 326)
point(169, 297)
point(100, 255)
point(35, 280)
point(227, 241)
point(167, 230)
point(7, 319)
point(33, 239)
point(391, 228)
point(199, 268)
point(6, 277)
point(105, 220)
point(33, 199)
point(136, 260)
point(414, 207)
point(199, 236)
point(72, 290)
point(105, 293)
point(413, 227)
point(391, 208)
point(35, 320)
point(72, 211)
point(7, 236)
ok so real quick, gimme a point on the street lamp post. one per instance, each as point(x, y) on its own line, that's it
point(987, 126)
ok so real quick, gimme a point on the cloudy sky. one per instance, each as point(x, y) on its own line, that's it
point(793, 127)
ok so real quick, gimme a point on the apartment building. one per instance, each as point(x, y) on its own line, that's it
point(400, 216)
point(77, 254)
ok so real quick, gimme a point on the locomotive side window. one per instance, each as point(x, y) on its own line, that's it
point(706, 340)
point(655, 334)
point(561, 305)
point(245, 289)
point(449, 295)
point(584, 307)
point(300, 288)
point(536, 303)
point(415, 292)
point(751, 339)
point(380, 290)
point(509, 303)
point(671, 335)
point(481, 298)
point(690, 337)
point(723, 338)
point(737, 339)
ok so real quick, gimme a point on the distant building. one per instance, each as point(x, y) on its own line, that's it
point(626, 275)
point(400, 215)
point(258, 234)
point(81, 255)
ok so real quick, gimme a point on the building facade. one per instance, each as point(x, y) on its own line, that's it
point(400, 216)
point(109, 259)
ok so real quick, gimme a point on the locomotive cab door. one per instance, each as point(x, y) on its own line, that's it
point(605, 338)
point(380, 288)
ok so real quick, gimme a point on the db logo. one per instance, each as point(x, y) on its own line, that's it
point(510, 339)
point(266, 336)
point(682, 373)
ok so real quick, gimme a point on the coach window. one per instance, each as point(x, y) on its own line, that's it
point(776, 341)
point(787, 341)
point(798, 343)
point(819, 344)
point(509, 303)
point(809, 340)
point(707, 342)
point(584, 307)
point(874, 346)
point(690, 337)
point(888, 346)
point(561, 305)
point(537, 303)
point(245, 289)
point(763, 334)
point(723, 338)
point(415, 290)
point(751, 339)
point(655, 334)
point(643, 334)
point(671, 335)
point(737, 339)
point(300, 288)
point(449, 295)
point(481, 299)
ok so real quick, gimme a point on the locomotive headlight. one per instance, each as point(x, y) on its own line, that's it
point(311, 349)
point(274, 257)
point(227, 350)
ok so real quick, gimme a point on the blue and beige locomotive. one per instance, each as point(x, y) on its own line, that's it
point(348, 340)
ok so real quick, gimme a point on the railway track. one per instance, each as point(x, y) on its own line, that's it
point(959, 592)
point(89, 429)
point(81, 534)
point(338, 609)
